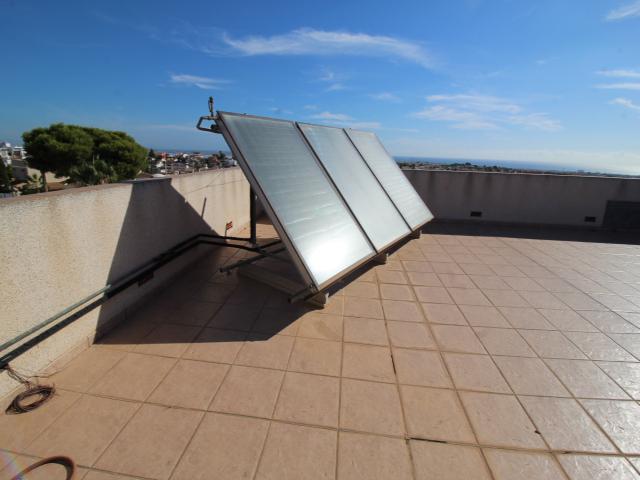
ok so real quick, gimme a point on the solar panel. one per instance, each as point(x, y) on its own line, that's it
point(360, 189)
point(396, 184)
point(310, 216)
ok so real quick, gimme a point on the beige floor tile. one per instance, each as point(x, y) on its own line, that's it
point(324, 326)
point(590, 467)
point(128, 334)
point(475, 372)
point(168, 340)
point(585, 380)
point(424, 279)
point(609, 322)
point(620, 420)
point(152, 442)
point(216, 345)
point(503, 270)
point(489, 281)
point(527, 318)
point(410, 335)
point(447, 462)
point(441, 266)
point(483, 316)
point(433, 295)
point(312, 355)
point(630, 342)
point(530, 376)
point(392, 276)
point(372, 457)
point(402, 311)
point(627, 375)
point(509, 464)
point(567, 320)
point(193, 313)
point(419, 367)
point(190, 384)
point(435, 414)
point(265, 351)
point(396, 292)
point(248, 391)
point(455, 338)
point(85, 370)
point(362, 290)
point(310, 399)
point(365, 330)
point(282, 321)
point(565, 426)
point(456, 281)
point(370, 407)
point(500, 420)
point(134, 377)
point(18, 431)
point(579, 301)
point(416, 266)
point(505, 298)
point(543, 300)
point(293, 451)
point(468, 296)
point(367, 362)
point(503, 341)
point(597, 346)
point(552, 344)
point(442, 313)
point(363, 307)
point(523, 284)
point(235, 317)
point(228, 445)
point(479, 269)
point(85, 430)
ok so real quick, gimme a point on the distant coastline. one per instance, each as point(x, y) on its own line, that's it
point(505, 166)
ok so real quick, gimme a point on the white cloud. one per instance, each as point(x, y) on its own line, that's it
point(335, 87)
point(340, 117)
point(483, 112)
point(620, 86)
point(307, 41)
point(204, 83)
point(625, 102)
point(344, 120)
point(385, 97)
point(626, 11)
point(620, 73)
point(310, 107)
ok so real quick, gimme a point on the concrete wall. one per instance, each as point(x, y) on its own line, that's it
point(59, 247)
point(536, 199)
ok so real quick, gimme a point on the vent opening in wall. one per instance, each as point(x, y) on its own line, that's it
point(590, 219)
point(475, 213)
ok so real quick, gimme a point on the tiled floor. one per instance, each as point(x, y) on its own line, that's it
point(464, 357)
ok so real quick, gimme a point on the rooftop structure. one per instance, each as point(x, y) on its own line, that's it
point(477, 351)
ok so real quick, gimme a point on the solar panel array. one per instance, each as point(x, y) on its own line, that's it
point(335, 196)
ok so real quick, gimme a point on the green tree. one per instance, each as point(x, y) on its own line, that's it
point(87, 155)
point(32, 185)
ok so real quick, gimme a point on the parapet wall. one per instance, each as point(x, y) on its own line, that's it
point(519, 198)
point(57, 248)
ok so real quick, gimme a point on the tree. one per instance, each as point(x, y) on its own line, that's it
point(87, 155)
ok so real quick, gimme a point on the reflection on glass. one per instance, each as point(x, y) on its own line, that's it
point(369, 203)
point(315, 219)
point(413, 209)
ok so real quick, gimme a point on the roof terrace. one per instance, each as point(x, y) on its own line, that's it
point(475, 352)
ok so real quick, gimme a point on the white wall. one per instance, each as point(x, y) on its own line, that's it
point(59, 247)
point(536, 199)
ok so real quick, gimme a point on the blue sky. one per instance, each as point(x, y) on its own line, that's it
point(538, 81)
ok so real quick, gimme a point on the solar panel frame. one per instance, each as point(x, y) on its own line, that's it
point(278, 224)
point(385, 185)
point(385, 246)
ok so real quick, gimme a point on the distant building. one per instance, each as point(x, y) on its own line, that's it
point(16, 158)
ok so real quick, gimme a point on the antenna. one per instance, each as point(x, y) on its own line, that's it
point(211, 106)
